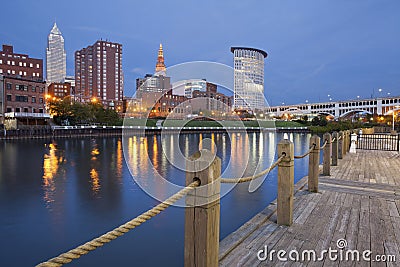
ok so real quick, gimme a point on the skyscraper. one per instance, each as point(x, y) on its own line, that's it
point(160, 65)
point(248, 78)
point(157, 83)
point(98, 74)
point(56, 69)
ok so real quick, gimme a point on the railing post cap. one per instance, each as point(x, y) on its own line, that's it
point(285, 141)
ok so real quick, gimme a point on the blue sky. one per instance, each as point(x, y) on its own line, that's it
point(341, 48)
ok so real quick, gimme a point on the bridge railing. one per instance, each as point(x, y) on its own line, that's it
point(202, 191)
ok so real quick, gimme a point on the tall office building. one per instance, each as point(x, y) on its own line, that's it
point(248, 78)
point(98, 74)
point(157, 83)
point(56, 58)
point(152, 84)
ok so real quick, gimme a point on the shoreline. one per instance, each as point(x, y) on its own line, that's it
point(96, 131)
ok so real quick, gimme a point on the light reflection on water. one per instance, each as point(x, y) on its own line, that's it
point(77, 189)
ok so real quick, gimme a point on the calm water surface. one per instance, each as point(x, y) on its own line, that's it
point(57, 194)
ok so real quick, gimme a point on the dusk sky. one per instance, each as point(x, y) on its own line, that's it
point(316, 48)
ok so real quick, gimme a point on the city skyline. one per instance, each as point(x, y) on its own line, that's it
point(340, 49)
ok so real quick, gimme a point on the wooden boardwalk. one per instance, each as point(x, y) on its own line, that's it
point(359, 202)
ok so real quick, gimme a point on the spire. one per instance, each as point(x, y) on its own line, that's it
point(160, 66)
point(55, 29)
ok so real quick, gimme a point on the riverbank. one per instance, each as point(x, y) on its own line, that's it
point(97, 131)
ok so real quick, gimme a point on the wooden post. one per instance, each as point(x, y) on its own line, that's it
point(285, 183)
point(344, 142)
point(202, 214)
point(313, 164)
point(348, 140)
point(340, 145)
point(335, 136)
point(326, 169)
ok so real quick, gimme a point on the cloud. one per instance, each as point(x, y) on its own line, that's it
point(137, 70)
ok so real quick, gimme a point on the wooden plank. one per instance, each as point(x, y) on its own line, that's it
point(360, 203)
point(377, 229)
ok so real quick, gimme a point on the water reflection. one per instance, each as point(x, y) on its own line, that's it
point(51, 163)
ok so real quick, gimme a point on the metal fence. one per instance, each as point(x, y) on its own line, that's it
point(385, 142)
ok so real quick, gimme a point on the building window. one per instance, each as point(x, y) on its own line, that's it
point(33, 99)
point(8, 97)
point(33, 88)
point(9, 110)
point(41, 89)
point(30, 65)
point(21, 98)
point(40, 100)
point(9, 86)
point(1, 61)
point(26, 110)
point(37, 66)
point(1, 71)
point(17, 110)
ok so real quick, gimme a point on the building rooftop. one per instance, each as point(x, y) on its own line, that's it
point(233, 48)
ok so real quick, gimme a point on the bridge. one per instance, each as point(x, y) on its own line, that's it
point(341, 109)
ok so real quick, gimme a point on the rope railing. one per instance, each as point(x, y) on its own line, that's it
point(253, 177)
point(340, 138)
point(76, 253)
point(324, 145)
point(333, 140)
point(307, 153)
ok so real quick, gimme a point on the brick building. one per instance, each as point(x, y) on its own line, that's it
point(59, 90)
point(22, 90)
point(20, 65)
point(210, 101)
point(98, 74)
point(163, 104)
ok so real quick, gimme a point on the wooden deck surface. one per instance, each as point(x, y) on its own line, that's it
point(359, 202)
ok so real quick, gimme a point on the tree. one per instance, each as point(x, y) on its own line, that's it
point(82, 113)
point(315, 121)
point(304, 120)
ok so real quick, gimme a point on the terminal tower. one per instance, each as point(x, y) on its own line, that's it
point(160, 66)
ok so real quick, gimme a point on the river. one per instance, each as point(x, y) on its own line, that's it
point(57, 194)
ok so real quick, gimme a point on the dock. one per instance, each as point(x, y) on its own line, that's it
point(357, 208)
